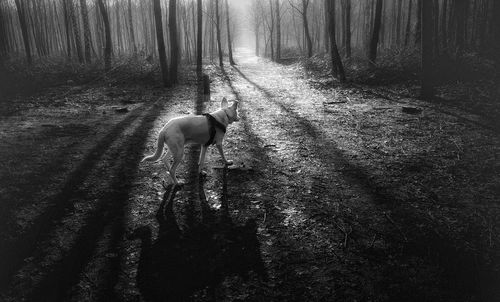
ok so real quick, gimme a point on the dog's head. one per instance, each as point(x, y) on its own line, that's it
point(231, 111)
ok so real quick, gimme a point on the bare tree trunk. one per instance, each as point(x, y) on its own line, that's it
point(496, 30)
point(375, 33)
point(427, 55)
point(4, 41)
point(131, 28)
point(305, 5)
point(408, 23)
point(444, 35)
point(107, 30)
point(461, 20)
point(67, 25)
point(86, 30)
point(257, 39)
point(161, 43)
point(24, 30)
point(278, 31)
point(229, 46)
point(418, 28)
point(76, 32)
point(337, 66)
point(217, 28)
point(199, 43)
point(347, 28)
point(174, 43)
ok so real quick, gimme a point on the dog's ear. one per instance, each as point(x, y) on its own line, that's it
point(223, 103)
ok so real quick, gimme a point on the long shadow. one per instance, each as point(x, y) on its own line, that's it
point(457, 264)
point(182, 264)
point(432, 104)
point(13, 251)
point(110, 211)
point(352, 171)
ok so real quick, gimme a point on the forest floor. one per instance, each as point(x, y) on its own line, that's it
point(348, 193)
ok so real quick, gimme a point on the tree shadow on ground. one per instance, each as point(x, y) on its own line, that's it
point(193, 262)
point(425, 264)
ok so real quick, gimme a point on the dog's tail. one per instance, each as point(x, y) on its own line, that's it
point(159, 149)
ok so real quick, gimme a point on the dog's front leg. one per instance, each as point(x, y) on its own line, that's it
point(201, 162)
point(221, 152)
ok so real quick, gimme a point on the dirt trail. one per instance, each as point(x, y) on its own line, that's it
point(333, 196)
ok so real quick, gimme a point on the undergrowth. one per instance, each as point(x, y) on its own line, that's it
point(16, 78)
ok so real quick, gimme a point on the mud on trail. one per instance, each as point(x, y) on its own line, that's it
point(335, 194)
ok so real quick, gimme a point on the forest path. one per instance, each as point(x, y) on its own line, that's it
point(335, 194)
point(349, 200)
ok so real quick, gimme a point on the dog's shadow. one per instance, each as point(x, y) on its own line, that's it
point(184, 264)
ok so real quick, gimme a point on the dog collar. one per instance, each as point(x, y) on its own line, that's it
point(214, 123)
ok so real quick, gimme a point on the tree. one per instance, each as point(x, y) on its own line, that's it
point(86, 30)
point(217, 28)
point(496, 30)
point(67, 26)
point(4, 39)
point(199, 43)
point(256, 20)
point(427, 90)
point(107, 30)
point(337, 67)
point(372, 56)
point(24, 30)
point(229, 46)
point(278, 30)
point(131, 28)
point(161, 43)
point(76, 31)
point(418, 27)
point(347, 27)
point(174, 43)
point(408, 23)
point(303, 13)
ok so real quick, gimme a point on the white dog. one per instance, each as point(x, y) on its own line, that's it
point(204, 129)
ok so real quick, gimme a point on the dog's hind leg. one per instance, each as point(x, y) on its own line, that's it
point(177, 154)
point(165, 160)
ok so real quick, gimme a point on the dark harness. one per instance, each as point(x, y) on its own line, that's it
point(212, 122)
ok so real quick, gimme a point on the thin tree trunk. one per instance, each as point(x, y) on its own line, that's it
point(347, 28)
point(174, 43)
point(229, 46)
point(271, 29)
point(217, 28)
point(161, 43)
point(427, 56)
point(257, 39)
point(4, 39)
point(418, 28)
point(408, 23)
point(375, 33)
point(86, 30)
point(76, 32)
point(305, 4)
point(461, 20)
point(24, 30)
point(107, 30)
point(278, 30)
point(131, 28)
point(337, 66)
point(68, 26)
point(496, 31)
point(199, 43)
